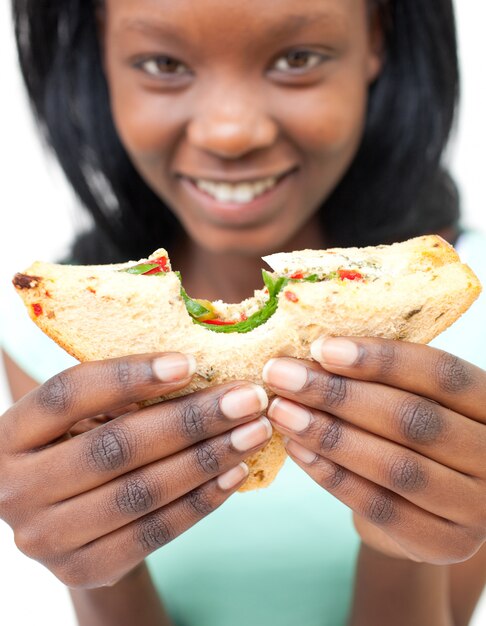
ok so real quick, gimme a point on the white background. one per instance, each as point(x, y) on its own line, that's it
point(37, 203)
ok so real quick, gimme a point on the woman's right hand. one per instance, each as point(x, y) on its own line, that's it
point(91, 507)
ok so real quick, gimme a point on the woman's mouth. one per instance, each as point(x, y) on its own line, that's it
point(240, 201)
point(239, 193)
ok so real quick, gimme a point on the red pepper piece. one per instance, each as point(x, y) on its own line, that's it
point(290, 295)
point(37, 308)
point(243, 317)
point(219, 323)
point(162, 263)
point(297, 276)
point(350, 275)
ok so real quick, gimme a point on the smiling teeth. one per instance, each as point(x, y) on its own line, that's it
point(240, 193)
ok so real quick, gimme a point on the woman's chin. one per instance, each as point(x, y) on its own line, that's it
point(274, 236)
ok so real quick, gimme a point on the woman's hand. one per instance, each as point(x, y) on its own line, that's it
point(396, 431)
point(91, 507)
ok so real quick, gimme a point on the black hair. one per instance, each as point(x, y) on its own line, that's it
point(396, 187)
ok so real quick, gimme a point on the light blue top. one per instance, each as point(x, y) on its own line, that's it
point(283, 555)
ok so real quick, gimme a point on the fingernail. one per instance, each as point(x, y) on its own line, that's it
point(289, 415)
point(233, 477)
point(251, 435)
point(244, 401)
point(173, 367)
point(285, 374)
point(335, 351)
point(301, 453)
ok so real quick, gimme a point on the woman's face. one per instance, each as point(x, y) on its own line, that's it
point(242, 116)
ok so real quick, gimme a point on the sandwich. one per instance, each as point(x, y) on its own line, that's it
point(408, 291)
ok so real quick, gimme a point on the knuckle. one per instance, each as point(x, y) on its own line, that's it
point(5, 502)
point(406, 474)
point(122, 373)
point(199, 502)
point(451, 373)
point(207, 457)
point(56, 394)
point(381, 508)
point(420, 421)
point(193, 421)
point(134, 496)
point(461, 548)
point(9, 498)
point(83, 569)
point(76, 572)
point(467, 550)
point(109, 449)
point(333, 477)
point(331, 435)
point(71, 579)
point(474, 539)
point(333, 389)
point(127, 374)
point(23, 539)
point(154, 531)
point(386, 357)
point(33, 541)
point(17, 493)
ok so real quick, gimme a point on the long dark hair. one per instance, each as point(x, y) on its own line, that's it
point(395, 188)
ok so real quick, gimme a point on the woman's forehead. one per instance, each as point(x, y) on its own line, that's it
point(129, 13)
point(208, 23)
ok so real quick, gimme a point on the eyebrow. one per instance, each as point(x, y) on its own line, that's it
point(292, 24)
point(155, 30)
point(289, 25)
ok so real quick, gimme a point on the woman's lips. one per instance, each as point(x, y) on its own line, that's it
point(258, 209)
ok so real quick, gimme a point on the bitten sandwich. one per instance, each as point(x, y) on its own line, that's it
point(409, 291)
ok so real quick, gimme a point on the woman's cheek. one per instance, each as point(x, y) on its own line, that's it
point(332, 120)
point(145, 119)
point(338, 128)
point(141, 125)
point(144, 133)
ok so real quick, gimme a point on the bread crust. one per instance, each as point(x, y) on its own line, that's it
point(416, 290)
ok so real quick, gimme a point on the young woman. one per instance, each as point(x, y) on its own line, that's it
point(224, 131)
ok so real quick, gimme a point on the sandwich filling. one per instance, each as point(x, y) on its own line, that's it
point(210, 315)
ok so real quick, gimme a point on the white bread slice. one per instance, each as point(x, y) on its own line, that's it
point(411, 291)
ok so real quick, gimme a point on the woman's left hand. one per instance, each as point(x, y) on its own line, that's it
point(397, 432)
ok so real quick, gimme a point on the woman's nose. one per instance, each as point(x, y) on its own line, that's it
point(230, 129)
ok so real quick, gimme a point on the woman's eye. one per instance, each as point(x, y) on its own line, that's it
point(162, 66)
point(298, 61)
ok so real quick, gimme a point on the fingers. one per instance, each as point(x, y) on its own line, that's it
point(148, 476)
point(419, 369)
point(143, 437)
point(130, 544)
point(405, 418)
point(90, 389)
point(397, 434)
point(441, 542)
point(106, 560)
point(400, 470)
point(103, 510)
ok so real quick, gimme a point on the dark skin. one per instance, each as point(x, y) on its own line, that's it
point(267, 92)
point(94, 490)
